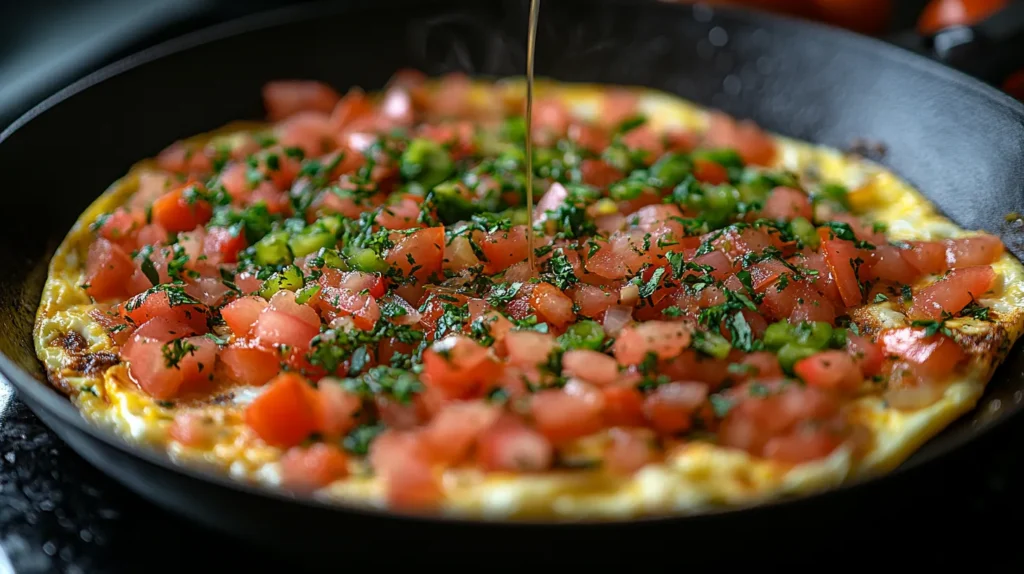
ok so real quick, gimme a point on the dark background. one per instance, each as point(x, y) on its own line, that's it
point(57, 514)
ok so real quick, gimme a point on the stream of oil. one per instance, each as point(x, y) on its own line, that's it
point(531, 41)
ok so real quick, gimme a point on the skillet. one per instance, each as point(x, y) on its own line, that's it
point(958, 140)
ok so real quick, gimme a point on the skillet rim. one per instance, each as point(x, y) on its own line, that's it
point(49, 398)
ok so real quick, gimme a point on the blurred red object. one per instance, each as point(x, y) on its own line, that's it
point(1014, 85)
point(864, 16)
point(939, 14)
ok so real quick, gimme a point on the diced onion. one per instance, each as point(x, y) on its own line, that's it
point(915, 397)
point(617, 317)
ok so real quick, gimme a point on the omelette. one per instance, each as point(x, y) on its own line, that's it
point(339, 303)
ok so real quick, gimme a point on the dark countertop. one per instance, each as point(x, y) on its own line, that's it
point(59, 514)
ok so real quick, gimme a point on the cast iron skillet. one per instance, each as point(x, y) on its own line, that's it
point(958, 140)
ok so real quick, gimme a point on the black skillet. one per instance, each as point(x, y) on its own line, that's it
point(955, 138)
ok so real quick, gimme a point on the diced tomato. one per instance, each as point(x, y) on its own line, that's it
point(194, 359)
point(511, 446)
point(802, 446)
point(248, 364)
point(629, 451)
point(355, 105)
point(888, 264)
point(242, 313)
point(120, 225)
point(223, 246)
point(843, 259)
point(760, 365)
point(623, 406)
point(107, 270)
point(665, 339)
point(451, 435)
point(192, 429)
point(339, 408)
point(310, 131)
point(766, 273)
point(143, 307)
point(458, 366)
point(591, 366)
point(283, 98)
point(708, 171)
point(977, 250)
point(286, 413)
point(552, 305)
point(505, 248)
point(309, 468)
point(598, 173)
point(528, 348)
point(928, 257)
point(400, 459)
point(931, 357)
point(829, 370)
point(953, 292)
point(592, 301)
point(775, 411)
point(786, 203)
point(754, 146)
point(670, 407)
point(573, 412)
point(866, 353)
point(275, 329)
point(178, 211)
point(420, 254)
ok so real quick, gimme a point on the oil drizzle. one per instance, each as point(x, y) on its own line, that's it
point(531, 41)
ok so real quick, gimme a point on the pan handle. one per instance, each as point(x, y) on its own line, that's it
point(990, 50)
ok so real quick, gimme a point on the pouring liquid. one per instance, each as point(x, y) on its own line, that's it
point(531, 41)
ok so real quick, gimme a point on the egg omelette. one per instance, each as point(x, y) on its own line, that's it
point(82, 352)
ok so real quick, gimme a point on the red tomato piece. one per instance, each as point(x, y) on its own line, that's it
point(420, 254)
point(665, 339)
point(629, 451)
point(786, 203)
point(670, 407)
point(977, 250)
point(569, 413)
point(623, 406)
point(107, 270)
point(242, 313)
point(450, 436)
point(829, 370)
point(283, 98)
point(511, 446)
point(552, 305)
point(339, 408)
point(528, 348)
point(400, 459)
point(286, 413)
point(934, 356)
point(161, 378)
point(754, 146)
point(248, 364)
point(222, 246)
point(310, 468)
point(458, 366)
point(708, 171)
point(145, 306)
point(953, 292)
point(928, 257)
point(505, 248)
point(178, 210)
point(593, 367)
point(842, 258)
point(192, 429)
point(866, 353)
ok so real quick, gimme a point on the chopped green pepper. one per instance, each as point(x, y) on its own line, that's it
point(425, 162)
point(790, 353)
point(804, 231)
point(289, 278)
point(273, 249)
point(583, 335)
point(671, 169)
point(367, 261)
